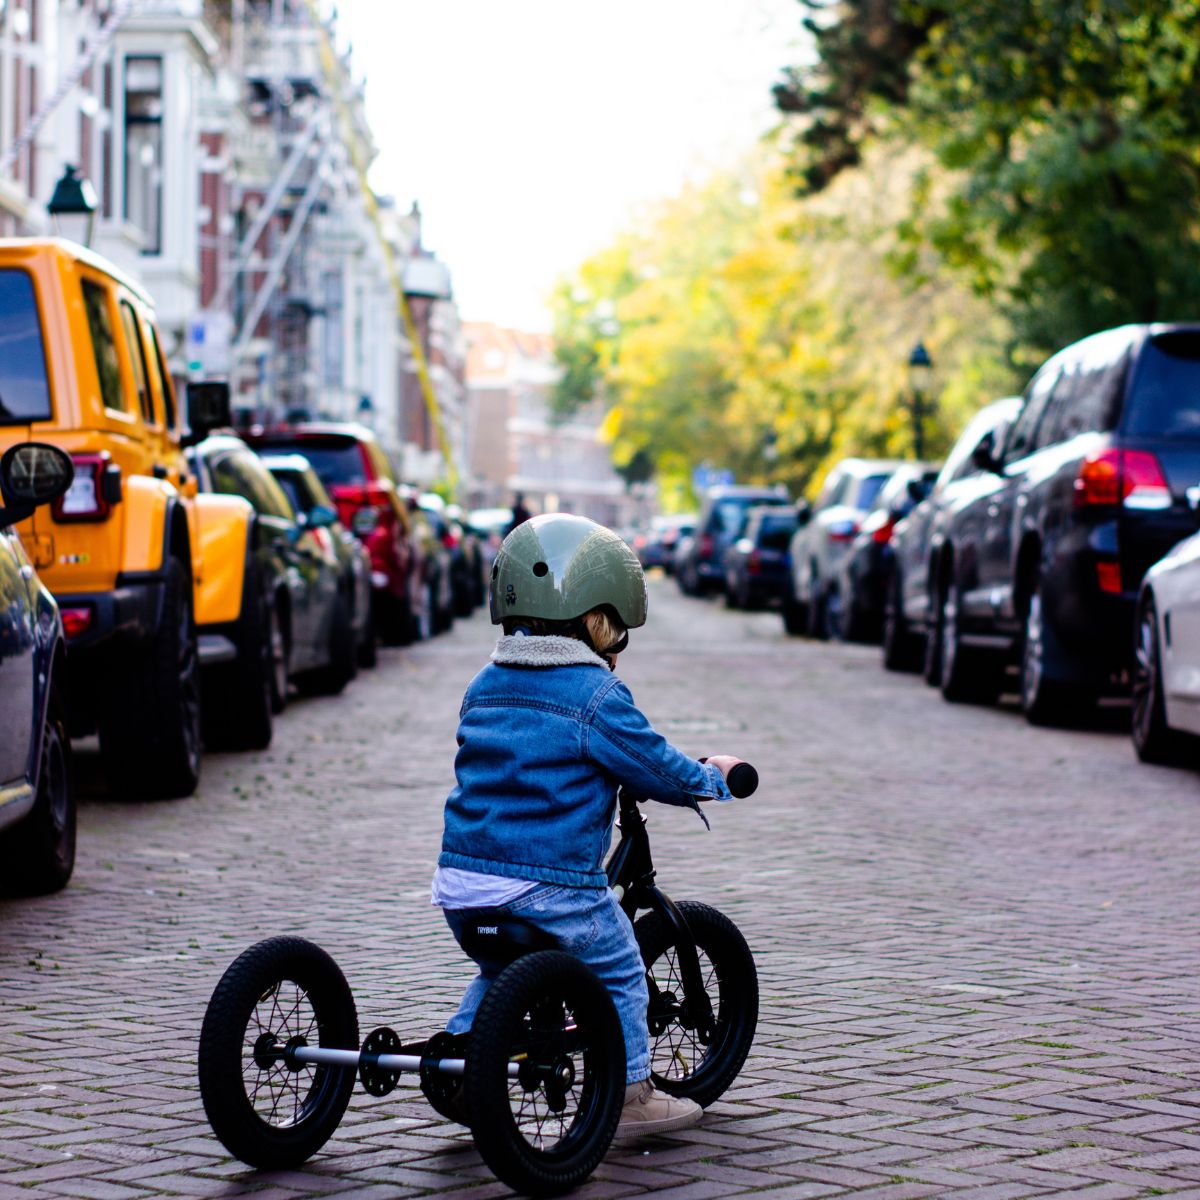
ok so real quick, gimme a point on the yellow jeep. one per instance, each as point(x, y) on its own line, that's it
point(141, 565)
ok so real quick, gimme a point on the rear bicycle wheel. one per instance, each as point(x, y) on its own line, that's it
point(283, 992)
point(680, 1062)
point(545, 1130)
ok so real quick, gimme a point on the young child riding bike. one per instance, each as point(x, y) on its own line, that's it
point(546, 736)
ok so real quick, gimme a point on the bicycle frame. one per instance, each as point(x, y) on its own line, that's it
point(630, 870)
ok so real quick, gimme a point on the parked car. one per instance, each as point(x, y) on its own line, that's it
point(906, 607)
point(865, 568)
point(1098, 478)
point(655, 547)
point(37, 799)
point(473, 552)
point(458, 559)
point(811, 602)
point(1166, 659)
point(360, 478)
point(315, 510)
point(719, 524)
point(436, 605)
point(756, 564)
point(138, 562)
point(303, 601)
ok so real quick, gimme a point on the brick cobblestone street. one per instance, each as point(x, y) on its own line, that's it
point(978, 942)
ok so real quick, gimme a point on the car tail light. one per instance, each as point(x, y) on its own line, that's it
point(706, 545)
point(1108, 576)
point(76, 620)
point(449, 540)
point(843, 531)
point(1132, 478)
point(882, 534)
point(94, 490)
point(753, 562)
point(639, 542)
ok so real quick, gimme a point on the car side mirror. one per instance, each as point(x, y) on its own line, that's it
point(32, 474)
point(917, 490)
point(210, 407)
point(320, 516)
point(984, 454)
point(803, 513)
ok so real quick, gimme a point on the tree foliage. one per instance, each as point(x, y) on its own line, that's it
point(746, 328)
point(1067, 133)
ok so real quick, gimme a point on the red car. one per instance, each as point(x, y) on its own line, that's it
point(359, 476)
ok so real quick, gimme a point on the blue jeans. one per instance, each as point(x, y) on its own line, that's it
point(589, 923)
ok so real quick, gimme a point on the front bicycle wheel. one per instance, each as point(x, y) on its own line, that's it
point(281, 993)
point(545, 1074)
point(680, 1062)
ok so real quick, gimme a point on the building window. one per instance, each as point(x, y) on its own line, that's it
point(143, 149)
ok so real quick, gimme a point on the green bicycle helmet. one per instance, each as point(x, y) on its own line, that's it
point(557, 567)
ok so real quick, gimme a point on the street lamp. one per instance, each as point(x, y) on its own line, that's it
point(920, 371)
point(73, 206)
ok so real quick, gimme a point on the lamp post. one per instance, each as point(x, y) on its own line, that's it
point(920, 371)
point(73, 206)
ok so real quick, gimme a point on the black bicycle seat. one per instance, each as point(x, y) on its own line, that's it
point(498, 936)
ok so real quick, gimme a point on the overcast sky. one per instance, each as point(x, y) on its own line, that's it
point(531, 130)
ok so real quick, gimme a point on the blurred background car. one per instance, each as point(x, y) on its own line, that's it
point(360, 478)
point(305, 623)
point(435, 608)
point(865, 568)
point(457, 561)
point(718, 525)
point(1166, 659)
point(655, 546)
point(906, 603)
point(37, 797)
point(474, 589)
point(314, 507)
point(756, 564)
point(826, 529)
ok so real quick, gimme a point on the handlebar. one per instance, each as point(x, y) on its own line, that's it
point(742, 780)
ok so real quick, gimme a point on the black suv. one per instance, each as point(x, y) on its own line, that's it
point(1097, 480)
point(720, 523)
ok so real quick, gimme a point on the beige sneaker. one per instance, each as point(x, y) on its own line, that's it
point(649, 1112)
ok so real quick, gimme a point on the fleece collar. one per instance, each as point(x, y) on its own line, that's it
point(527, 651)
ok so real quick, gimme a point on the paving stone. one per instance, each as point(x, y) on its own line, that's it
point(978, 943)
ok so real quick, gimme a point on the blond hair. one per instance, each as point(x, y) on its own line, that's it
point(602, 629)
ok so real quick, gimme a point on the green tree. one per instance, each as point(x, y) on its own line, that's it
point(1067, 133)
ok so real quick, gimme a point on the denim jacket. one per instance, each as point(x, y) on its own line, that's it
point(546, 735)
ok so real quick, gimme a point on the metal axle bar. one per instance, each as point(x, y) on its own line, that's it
point(324, 1057)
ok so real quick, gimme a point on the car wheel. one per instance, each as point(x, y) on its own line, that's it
point(901, 649)
point(968, 676)
point(1153, 739)
point(816, 607)
point(38, 854)
point(1044, 701)
point(795, 614)
point(931, 665)
point(150, 728)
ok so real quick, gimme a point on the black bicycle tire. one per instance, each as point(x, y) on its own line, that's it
point(499, 1027)
point(230, 1111)
point(735, 1005)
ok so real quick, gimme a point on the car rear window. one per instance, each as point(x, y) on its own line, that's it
point(776, 532)
point(868, 488)
point(1165, 398)
point(337, 460)
point(24, 388)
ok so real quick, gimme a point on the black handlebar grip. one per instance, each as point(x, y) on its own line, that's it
point(742, 780)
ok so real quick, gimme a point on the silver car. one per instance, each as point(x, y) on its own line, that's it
point(827, 528)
